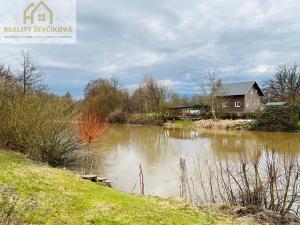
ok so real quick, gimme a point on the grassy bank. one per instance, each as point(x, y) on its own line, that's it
point(211, 124)
point(73, 201)
point(179, 124)
point(186, 124)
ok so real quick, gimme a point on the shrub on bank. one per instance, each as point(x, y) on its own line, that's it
point(283, 118)
point(227, 116)
point(231, 115)
point(147, 118)
point(40, 126)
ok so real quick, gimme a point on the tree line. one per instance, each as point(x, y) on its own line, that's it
point(106, 96)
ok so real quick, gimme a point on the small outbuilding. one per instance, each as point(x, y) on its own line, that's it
point(185, 111)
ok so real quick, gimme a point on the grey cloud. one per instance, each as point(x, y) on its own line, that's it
point(243, 40)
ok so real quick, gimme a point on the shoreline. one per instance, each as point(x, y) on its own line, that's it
point(84, 202)
point(77, 206)
point(212, 124)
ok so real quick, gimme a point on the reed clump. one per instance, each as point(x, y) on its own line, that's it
point(263, 181)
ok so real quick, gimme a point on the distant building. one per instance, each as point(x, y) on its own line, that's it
point(240, 97)
point(184, 111)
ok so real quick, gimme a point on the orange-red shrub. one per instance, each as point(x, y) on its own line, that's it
point(91, 126)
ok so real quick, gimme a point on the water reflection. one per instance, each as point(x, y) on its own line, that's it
point(225, 143)
point(159, 149)
point(178, 133)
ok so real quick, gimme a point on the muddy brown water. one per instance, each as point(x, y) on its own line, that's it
point(159, 150)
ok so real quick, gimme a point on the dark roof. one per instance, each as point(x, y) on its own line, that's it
point(276, 103)
point(182, 107)
point(187, 107)
point(236, 89)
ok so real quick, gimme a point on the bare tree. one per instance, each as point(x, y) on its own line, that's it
point(138, 101)
point(149, 96)
point(155, 94)
point(175, 99)
point(285, 85)
point(4, 72)
point(30, 75)
point(8, 85)
point(68, 95)
point(210, 85)
point(103, 96)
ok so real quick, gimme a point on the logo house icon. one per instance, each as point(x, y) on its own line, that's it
point(38, 14)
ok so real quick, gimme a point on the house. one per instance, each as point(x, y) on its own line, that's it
point(38, 14)
point(240, 97)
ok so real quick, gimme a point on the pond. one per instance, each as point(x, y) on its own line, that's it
point(158, 150)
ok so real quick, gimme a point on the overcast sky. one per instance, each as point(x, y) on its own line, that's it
point(176, 41)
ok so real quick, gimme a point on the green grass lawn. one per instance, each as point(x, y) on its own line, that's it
point(74, 201)
point(186, 124)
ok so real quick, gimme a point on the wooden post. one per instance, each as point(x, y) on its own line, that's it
point(142, 184)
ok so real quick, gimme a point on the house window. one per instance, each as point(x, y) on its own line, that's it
point(42, 17)
point(237, 104)
point(224, 104)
